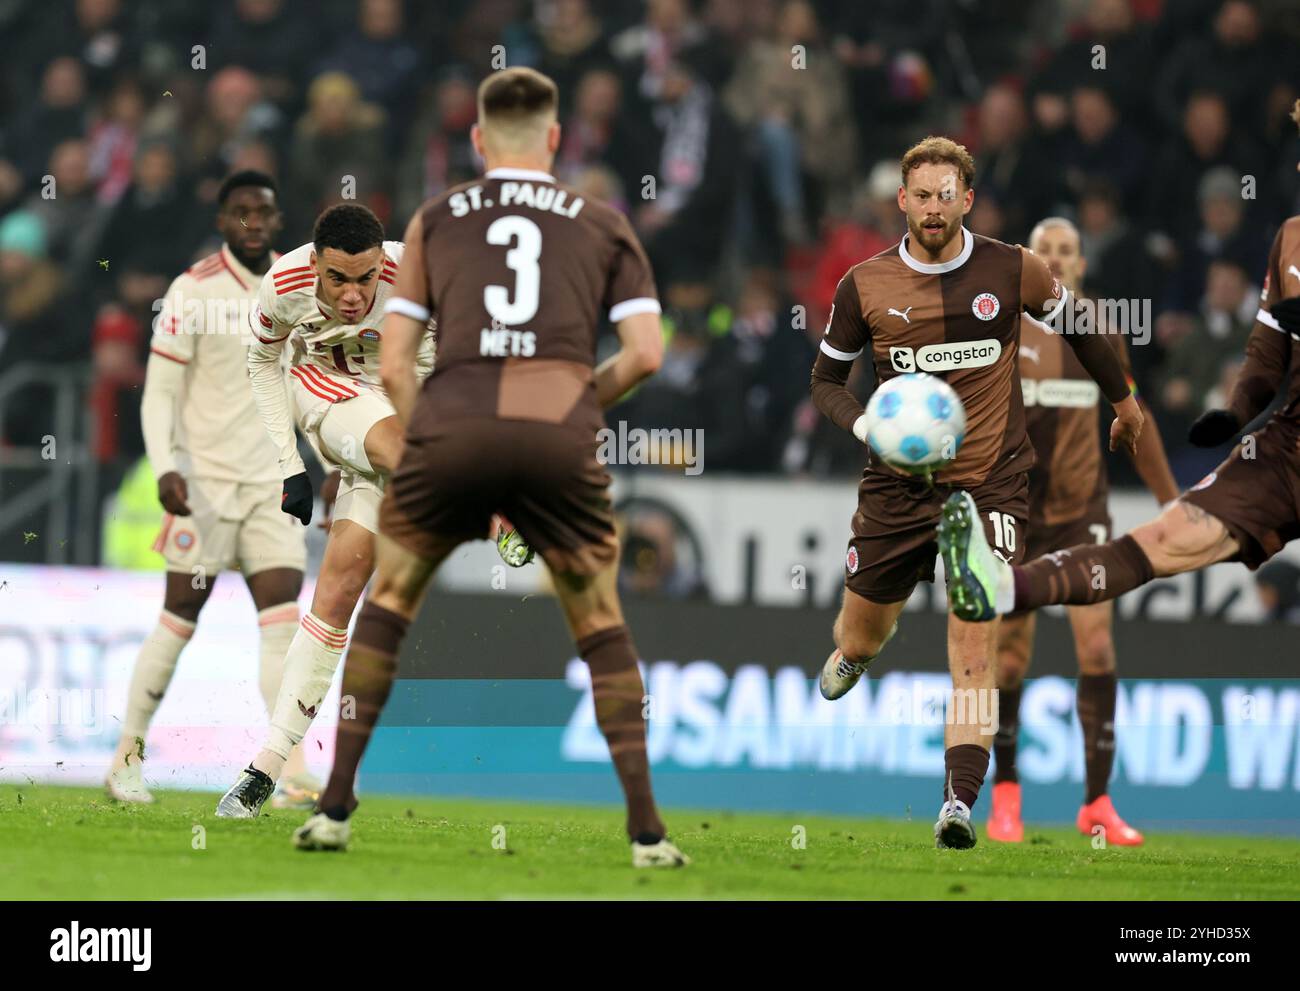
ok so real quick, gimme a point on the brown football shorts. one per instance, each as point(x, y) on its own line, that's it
point(544, 477)
point(1093, 527)
point(1257, 499)
point(894, 543)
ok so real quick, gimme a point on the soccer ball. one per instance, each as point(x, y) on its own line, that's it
point(915, 423)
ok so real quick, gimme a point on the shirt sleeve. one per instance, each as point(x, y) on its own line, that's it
point(171, 347)
point(1268, 350)
point(266, 375)
point(845, 339)
point(178, 323)
point(630, 287)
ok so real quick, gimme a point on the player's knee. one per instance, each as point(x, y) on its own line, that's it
point(383, 445)
point(337, 596)
point(1169, 541)
point(1096, 651)
point(183, 599)
point(860, 645)
point(272, 587)
point(1012, 667)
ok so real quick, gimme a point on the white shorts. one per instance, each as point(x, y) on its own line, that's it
point(337, 432)
point(232, 525)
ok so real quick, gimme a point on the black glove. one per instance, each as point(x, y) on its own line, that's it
point(1213, 428)
point(297, 498)
point(1287, 314)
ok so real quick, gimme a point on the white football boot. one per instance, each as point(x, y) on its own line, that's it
point(246, 796)
point(320, 832)
point(954, 830)
point(660, 854)
point(839, 674)
point(126, 784)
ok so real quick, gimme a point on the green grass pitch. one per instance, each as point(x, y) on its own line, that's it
point(75, 844)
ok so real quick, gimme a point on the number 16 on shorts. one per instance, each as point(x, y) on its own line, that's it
point(1004, 534)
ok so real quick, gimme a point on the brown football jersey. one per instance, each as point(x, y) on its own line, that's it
point(959, 320)
point(1282, 281)
point(1068, 479)
point(519, 270)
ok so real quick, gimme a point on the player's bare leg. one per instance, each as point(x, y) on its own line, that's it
point(310, 663)
point(1015, 646)
point(275, 595)
point(595, 617)
point(1094, 646)
point(1183, 538)
point(971, 721)
point(861, 631)
point(322, 636)
point(154, 667)
point(401, 578)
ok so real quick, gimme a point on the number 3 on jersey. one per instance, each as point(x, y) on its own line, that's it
point(523, 259)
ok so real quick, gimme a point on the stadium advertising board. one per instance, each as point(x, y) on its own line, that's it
point(492, 702)
point(781, 542)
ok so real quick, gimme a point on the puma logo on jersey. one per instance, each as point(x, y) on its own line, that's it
point(901, 313)
point(1030, 353)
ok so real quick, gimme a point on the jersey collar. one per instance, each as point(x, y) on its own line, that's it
point(236, 268)
point(937, 268)
point(532, 174)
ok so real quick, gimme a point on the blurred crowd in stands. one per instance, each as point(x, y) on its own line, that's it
point(754, 144)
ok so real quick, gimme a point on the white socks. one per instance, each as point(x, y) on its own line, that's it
point(309, 667)
point(277, 626)
point(153, 672)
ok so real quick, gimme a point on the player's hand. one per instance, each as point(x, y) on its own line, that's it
point(172, 493)
point(1287, 314)
point(1213, 427)
point(329, 491)
point(297, 497)
point(1127, 425)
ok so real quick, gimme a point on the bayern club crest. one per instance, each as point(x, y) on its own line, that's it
point(985, 306)
point(369, 334)
point(851, 561)
point(184, 540)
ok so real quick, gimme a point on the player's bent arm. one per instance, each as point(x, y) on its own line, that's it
point(163, 383)
point(831, 396)
point(1151, 462)
point(1149, 457)
point(398, 355)
point(1268, 355)
point(639, 357)
point(406, 323)
point(267, 379)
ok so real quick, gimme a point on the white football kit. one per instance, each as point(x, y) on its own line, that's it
point(199, 418)
point(334, 391)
